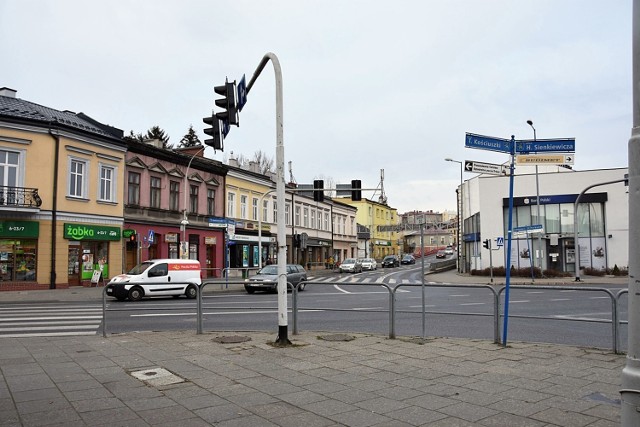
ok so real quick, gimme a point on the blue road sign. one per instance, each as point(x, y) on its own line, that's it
point(528, 229)
point(242, 92)
point(152, 236)
point(564, 145)
point(499, 241)
point(490, 143)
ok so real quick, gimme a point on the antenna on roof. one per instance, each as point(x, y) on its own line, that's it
point(383, 198)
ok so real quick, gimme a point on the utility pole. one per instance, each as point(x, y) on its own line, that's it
point(630, 393)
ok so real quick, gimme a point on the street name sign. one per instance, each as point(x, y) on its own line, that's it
point(564, 145)
point(490, 168)
point(545, 159)
point(528, 229)
point(490, 143)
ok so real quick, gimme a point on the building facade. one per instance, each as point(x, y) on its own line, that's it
point(61, 197)
point(602, 220)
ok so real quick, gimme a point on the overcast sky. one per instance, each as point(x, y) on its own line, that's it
point(368, 85)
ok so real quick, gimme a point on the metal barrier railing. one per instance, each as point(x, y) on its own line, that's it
point(496, 293)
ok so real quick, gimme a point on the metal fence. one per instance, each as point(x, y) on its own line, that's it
point(494, 291)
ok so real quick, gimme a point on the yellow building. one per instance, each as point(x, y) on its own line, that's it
point(61, 197)
point(378, 218)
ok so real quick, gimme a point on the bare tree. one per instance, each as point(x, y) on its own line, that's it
point(329, 183)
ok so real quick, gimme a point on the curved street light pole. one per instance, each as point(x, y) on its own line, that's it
point(530, 123)
point(460, 214)
point(184, 251)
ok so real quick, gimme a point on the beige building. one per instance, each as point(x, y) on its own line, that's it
point(61, 197)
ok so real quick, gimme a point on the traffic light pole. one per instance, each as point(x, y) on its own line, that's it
point(283, 328)
point(630, 393)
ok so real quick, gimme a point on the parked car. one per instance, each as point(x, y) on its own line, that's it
point(266, 279)
point(408, 259)
point(441, 254)
point(448, 250)
point(369, 264)
point(390, 261)
point(351, 265)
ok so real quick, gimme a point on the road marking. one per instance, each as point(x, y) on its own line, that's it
point(599, 297)
point(459, 295)
point(568, 291)
point(519, 301)
point(14, 319)
point(473, 303)
point(560, 299)
point(47, 334)
point(535, 292)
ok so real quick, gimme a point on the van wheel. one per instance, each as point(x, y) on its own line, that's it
point(191, 292)
point(136, 293)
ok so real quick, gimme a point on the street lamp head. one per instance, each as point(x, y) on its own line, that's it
point(448, 159)
point(530, 122)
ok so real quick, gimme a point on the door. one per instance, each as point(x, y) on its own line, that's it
point(74, 266)
point(210, 266)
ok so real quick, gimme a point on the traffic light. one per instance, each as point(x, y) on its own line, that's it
point(356, 193)
point(296, 240)
point(318, 190)
point(214, 131)
point(486, 244)
point(133, 237)
point(228, 103)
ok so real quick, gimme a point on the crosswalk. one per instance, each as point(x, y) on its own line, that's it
point(49, 320)
point(367, 280)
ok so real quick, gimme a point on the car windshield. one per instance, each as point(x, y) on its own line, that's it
point(269, 269)
point(349, 261)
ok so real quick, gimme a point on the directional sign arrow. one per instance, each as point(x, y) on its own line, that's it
point(468, 166)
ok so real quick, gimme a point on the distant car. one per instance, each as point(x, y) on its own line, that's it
point(390, 261)
point(351, 265)
point(369, 264)
point(266, 279)
point(408, 259)
point(448, 250)
point(441, 254)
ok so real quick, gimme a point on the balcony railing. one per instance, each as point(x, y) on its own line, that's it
point(19, 197)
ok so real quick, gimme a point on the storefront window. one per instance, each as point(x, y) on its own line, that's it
point(173, 250)
point(95, 256)
point(18, 260)
point(552, 218)
point(597, 219)
point(583, 220)
point(566, 218)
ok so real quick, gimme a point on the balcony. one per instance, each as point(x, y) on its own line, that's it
point(19, 197)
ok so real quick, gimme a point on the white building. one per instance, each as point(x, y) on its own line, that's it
point(603, 219)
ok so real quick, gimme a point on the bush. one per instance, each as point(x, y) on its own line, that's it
point(594, 271)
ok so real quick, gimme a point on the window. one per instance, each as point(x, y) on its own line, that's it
point(106, 182)
point(254, 208)
point(275, 211)
point(326, 221)
point(154, 196)
point(265, 210)
point(9, 168)
point(287, 214)
point(306, 217)
point(243, 207)
point(313, 218)
point(78, 170)
point(174, 195)
point(133, 189)
point(211, 202)
point(193, 199)
point(231, 205)
point(297, 219)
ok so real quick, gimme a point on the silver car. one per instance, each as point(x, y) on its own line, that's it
point(351, 265)
point(266, 279)
point(369, 264)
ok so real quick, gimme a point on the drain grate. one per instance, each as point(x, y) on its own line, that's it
point(157, 377)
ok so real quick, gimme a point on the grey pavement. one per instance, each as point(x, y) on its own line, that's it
point(322, 379)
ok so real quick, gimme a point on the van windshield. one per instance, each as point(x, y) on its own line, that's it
point(140, 268)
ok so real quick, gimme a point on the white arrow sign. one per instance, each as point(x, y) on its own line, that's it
point(490, 168)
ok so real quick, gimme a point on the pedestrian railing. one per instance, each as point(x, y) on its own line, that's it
point(494, 291)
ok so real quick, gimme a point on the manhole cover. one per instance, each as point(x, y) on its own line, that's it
point(337, 337)
point(234, 339)
point(157, 377)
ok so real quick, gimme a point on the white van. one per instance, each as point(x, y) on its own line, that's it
point(157, 277)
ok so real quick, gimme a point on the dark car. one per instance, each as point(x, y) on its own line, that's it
point(408, 259)
point(441, 254)
point(266, 279)
point(390, 261)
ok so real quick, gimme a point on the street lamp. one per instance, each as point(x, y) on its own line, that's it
point(460, 213)
point(185, 220)
point(530, 123)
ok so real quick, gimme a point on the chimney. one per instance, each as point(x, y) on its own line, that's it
point(8, 92)
point(154, 142)
point(191, 151)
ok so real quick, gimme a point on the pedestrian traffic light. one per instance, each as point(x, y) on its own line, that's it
point(356, 193)
point(486, 244)
point(133, 237)
point(318, 190)
point(228, 103)
point(214, 131)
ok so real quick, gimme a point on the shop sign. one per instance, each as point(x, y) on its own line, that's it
point(90, 232)
point(20, 229)
point(127, 233)
point(208, 240)
point(171, 237)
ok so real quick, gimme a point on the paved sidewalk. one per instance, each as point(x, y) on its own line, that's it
point(322, 380)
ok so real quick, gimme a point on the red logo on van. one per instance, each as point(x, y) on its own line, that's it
point(182, 267)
